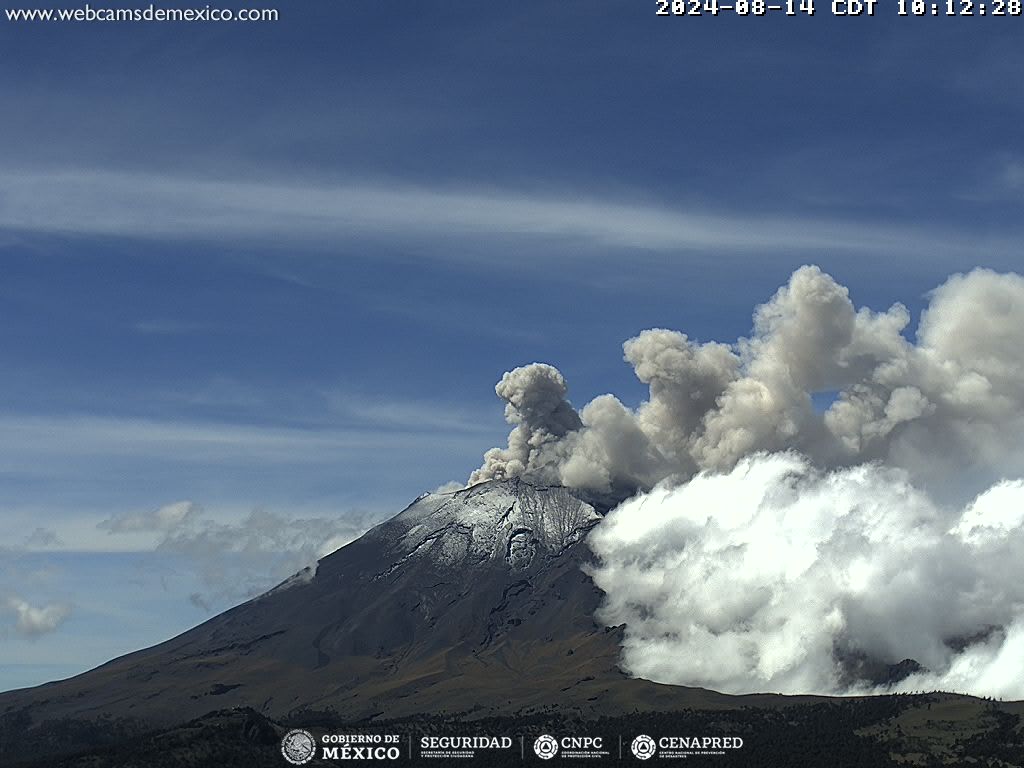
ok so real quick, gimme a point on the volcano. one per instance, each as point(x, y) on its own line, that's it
point(467, 607)
point(469, 603)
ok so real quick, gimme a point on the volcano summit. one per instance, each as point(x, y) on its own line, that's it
point(472, 602)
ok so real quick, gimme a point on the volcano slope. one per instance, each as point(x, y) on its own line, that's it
point(472, 602)
point(469, 606)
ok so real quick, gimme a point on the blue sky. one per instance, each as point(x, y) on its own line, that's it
point(280, 267)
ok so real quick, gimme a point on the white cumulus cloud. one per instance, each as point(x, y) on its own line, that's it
point(776, 576)
point(33, 621)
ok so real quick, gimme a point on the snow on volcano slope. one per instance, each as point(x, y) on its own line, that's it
point(510, 520)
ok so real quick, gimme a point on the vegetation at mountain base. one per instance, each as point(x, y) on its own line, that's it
point(928, 730)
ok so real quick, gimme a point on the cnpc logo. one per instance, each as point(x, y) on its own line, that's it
point(547, 746)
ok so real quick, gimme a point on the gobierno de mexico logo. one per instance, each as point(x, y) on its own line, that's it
point(298, 746)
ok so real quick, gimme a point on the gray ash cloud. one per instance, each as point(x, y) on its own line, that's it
point(769, 542)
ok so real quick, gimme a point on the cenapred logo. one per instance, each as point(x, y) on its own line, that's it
point(643, 747)
point(546, 747)
point(298, 746)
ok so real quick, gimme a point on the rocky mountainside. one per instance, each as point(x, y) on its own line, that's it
point(469, 603)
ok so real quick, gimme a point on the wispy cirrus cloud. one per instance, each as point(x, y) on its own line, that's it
point(89, 202)
point(212, 441)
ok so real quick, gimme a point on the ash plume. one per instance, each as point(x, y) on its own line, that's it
point(769, 545)
point(947, 406)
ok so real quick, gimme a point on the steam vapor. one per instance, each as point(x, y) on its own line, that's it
point(778, 577)
point(874, 545)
